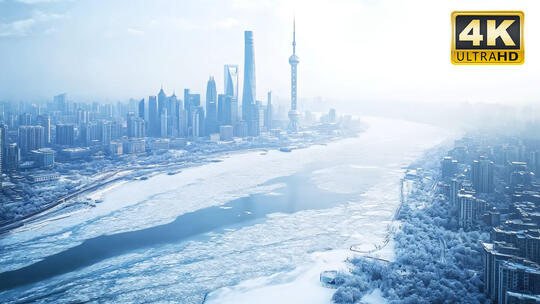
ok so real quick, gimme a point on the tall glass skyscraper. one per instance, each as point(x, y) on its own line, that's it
point(141, 108)
point(172, 115)
point(228, 104)
point(153, 116)
point(268, 114)
point(211, 106)
point(231, 80)
point(162, 101)
point(248, 94)
point(163, 114)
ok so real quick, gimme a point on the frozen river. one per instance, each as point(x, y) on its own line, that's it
point(253, 215)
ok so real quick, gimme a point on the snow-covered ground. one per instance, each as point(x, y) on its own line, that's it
point(302, 285)
point(279, 255)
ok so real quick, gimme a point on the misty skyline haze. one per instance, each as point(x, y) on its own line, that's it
point(349, 50)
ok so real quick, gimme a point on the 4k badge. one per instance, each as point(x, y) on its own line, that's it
point(487, 37)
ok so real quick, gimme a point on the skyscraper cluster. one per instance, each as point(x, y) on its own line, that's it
point(171, 117)
point(76, 130)
point(495, 188)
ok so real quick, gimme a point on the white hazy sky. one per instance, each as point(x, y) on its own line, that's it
point(349, 50)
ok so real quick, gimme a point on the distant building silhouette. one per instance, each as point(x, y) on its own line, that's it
point(153, 117)
point(163, 126)
point(268, 113)
point(332, 116)
point(228, 102)
point(30, 138)
point(172, 113)
point(104, 132)
point(211, 107)
point(135, 126)
point(45, 122)
point(163, 104)
point(141, 109)
point(191, 103)
point(88, 135)
point(13, 156)
point(65, 134)
point(197, 118)
point(61, 103)
point(226, 132)
point(482, 175)
point(448, 167)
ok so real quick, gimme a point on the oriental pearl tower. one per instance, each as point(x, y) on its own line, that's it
point(293, 61)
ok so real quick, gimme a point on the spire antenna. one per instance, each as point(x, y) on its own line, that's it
point(294, 36)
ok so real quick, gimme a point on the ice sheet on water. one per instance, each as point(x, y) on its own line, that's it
point(188, 270)
point(184, 270)
point(158, 200)
point(351, 178)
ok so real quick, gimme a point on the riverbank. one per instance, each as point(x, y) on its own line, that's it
point(100, 181)
point(434, 261)
point(302, 285)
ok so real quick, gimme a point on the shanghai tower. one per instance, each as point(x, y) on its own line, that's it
point(248, 97)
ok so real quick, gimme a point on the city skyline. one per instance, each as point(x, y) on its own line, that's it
point(351, 163)
point(197, 47)
point(84, 129)
point(230, 88)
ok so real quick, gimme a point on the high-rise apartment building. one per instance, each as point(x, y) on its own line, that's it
point(135, 126)
point(13, 156)
point(482, 175)
point(30, 138)
point(45, 122)
point(448, 167)
point(65, 134)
